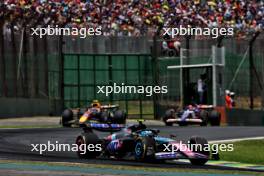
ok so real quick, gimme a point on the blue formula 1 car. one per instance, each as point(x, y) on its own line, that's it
point(140, 143)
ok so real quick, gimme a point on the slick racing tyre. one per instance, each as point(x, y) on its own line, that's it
point(204, 149)
point(204, 117)
point(67, 116)
point(119, 117)
point(169, 114)
point(104, 117)
point(87, 139)
point(214, 118)
point(145, 149)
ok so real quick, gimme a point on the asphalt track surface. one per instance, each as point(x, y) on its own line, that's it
point(16, 143)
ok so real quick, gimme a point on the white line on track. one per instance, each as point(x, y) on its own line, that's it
point(235, 140)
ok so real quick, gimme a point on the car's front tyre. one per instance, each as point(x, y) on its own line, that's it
point(202, 149)
point(145, 149)
point(84, 141)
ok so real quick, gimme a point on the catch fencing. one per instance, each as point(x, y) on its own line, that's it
point(65, 71)
point(238, 76)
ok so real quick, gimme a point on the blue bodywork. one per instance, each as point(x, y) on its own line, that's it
point(126, 141)
point(105, 126)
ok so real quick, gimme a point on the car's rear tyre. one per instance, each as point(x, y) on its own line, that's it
point(145, 149)
point(84, 140)
point(204, 149)
point(119, 117)
point(104, 117)
point(169, 114)
point(204, 117)
point(66, 117)
point(214, 118)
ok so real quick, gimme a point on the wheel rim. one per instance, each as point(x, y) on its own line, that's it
point(138, 149)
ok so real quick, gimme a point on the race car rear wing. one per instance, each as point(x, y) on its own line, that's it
point(205, 106)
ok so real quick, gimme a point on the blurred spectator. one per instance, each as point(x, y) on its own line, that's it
point(170, 47)
point(232, 96)
point(136, 17)
point(201, 89)
point(228, 100)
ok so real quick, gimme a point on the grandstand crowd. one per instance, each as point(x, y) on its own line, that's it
point(135, 17)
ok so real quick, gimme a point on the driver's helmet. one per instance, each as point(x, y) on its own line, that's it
point(136, 127)
point(95, 104)
point(190, 106)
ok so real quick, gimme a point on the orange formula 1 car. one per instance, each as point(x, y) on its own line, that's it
point(95, 113)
